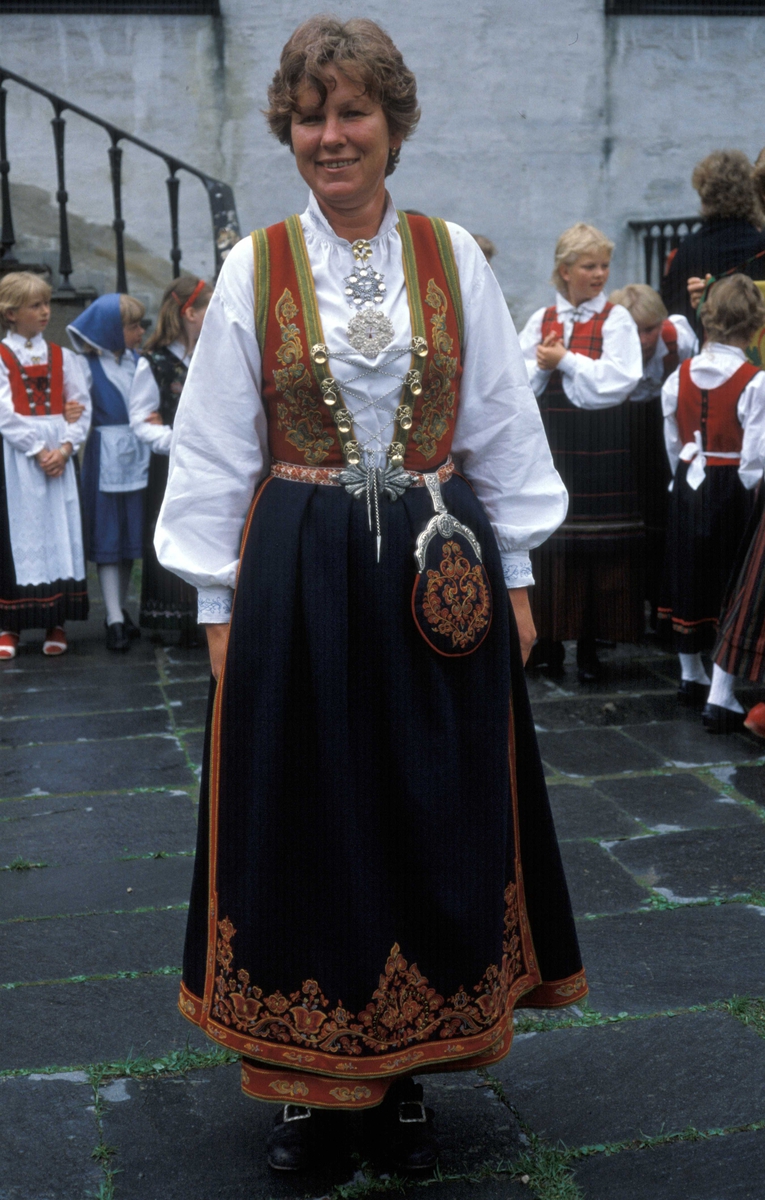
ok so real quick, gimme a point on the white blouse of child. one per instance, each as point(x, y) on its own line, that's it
point(649, 387)
point(144, 400)
point(219, 448)
point(588, 382)
point(709, 369)
point(30, 435)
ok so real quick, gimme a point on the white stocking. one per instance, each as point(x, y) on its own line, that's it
point(691, 668)
point(109, 578)
point(721, 691)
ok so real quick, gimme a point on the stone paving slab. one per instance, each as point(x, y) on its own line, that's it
point(636, 1078)
point(700, 863)
point(719, 1168)
point(167, 1134)
point(88, 829)
point(106, 1021)
point(47, 1145)
point(598, 884)
point(97, 766)
point(100, 944)
point(584, 812)
point(188, 702)
point(90, 727)
point(645, 962)
point(750, 781)
point(596, 752)
point(61, 891)
point(69, 672)
point(687, 744)
point(570, 712)
point(91, 698)
point(193, 743)
point(661, 801)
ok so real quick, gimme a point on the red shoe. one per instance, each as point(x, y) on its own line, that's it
point(755, 720)
point(55, 642)
point(9, 644)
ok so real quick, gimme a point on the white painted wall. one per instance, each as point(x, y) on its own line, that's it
point(534, 116)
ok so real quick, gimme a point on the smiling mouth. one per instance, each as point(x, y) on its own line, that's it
point(337, 164)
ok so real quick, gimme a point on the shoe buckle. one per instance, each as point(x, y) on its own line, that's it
point(295, 1112)
point(412, 1112)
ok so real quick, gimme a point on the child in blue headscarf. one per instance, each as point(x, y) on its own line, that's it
point(115, 466)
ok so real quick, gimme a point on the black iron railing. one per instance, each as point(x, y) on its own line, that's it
point(659, 238)
point(221, 197)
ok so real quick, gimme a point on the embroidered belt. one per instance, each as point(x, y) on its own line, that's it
point(331, 475)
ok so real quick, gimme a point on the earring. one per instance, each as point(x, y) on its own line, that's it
point(394, 154)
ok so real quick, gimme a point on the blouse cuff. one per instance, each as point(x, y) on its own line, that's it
point(516, 566)
point(567, 364)
point(214, 605)
point(38, 446)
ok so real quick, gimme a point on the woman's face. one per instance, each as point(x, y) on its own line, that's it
point(341, 146)
point(586, 277)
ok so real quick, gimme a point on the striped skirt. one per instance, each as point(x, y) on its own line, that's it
point(740, 646)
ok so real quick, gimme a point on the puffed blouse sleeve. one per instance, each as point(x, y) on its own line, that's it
point(144, 400)
point(219, 449)
point(499, 442)
point(606, 381)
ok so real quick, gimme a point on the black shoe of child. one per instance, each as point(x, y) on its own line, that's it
point(545, 652)
point(116, 637)
point(587, 661)
point(718, 719)
point(292, 1143)
point(402, 1128)
point(692, 694)
point(131, 629)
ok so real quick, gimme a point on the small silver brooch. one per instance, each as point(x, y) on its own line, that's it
point(370, 331)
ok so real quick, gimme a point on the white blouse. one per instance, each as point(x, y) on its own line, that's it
point(710, 369)
point(144, 400)
point(219, 450)
point(24, 433)
point(650, 385)
point(588, 382)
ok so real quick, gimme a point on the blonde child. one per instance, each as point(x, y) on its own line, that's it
point(714, 420)
point(44, 419)
point(584, 360)
point(115, 466)
point(167, 602)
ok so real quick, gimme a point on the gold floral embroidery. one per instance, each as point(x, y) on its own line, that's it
point(404, 1007)
point(457, 600)
point(438, 398)
point(283, 1087)
point(343, 1094)
point(299, 412)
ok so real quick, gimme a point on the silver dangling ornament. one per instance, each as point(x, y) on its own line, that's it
point(369, 330)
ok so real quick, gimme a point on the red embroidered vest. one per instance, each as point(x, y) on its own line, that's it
point(587, 336)
point(669, 338)
point(713, 412)
point(29, 385)
point(302, 428)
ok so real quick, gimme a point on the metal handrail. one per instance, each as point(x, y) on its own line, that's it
point(220, 195)
point(660, 236)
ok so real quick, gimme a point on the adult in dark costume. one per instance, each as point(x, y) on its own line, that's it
point(167, 602)
point(377, 882)
point(730, 235)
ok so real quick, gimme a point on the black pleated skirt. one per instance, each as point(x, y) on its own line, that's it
point(377, 881)
point(167, 602)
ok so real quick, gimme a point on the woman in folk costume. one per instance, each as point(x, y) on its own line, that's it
point(714, 421)
point(167, 602)
point(44, 419)
point(377, 884)
point(583, 358)
point(665, 342)
point(115, 466)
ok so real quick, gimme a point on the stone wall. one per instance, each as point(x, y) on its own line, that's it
point(534, 116)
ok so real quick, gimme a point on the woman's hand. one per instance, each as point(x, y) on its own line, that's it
point(73, 410)
point(53, 462)
point(550, 352)
point(153, 419)
point(217, 640)
point(695, 289)
point(527, 634)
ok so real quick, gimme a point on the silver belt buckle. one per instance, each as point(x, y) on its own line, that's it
point(295, 1112)
point(413, 1106)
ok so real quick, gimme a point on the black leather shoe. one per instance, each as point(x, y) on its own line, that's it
point(403, 1128)
point(722, 720)
point(692, 694)
point(588, 664)
point(549, 654)
point(292, 1141)
point(131, 629)
point(116, 638)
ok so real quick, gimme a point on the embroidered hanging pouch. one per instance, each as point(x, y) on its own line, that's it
point(451, 599)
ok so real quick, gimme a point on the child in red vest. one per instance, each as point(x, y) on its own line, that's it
point(665, 342)
point(714, 419)
point(583, 358)
point(44, 419)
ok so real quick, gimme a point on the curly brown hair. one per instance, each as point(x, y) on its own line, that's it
point(726, 188)
point(734, 308)
point(364, 52)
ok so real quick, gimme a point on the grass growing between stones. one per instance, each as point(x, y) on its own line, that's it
point(177, 1062)
point(102, 1152)
point(750, 1010)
